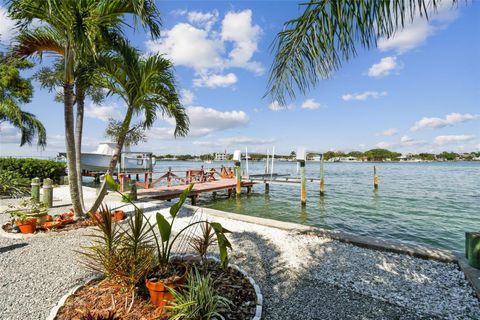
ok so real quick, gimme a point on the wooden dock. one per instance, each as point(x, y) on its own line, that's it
point(172, 192)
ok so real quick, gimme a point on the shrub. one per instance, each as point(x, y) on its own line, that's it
point(31, 168)
point(198, 299)
point(12, 184)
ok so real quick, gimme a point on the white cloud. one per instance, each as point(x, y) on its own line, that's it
point(383, 68)
point(204, 121)
point(234, 141)
point(449, 120)
point(390, 132)
point(364, 96)
point(103, 112)
point(203, 19)
point(7, 27)
point(238, 27)
point(9, 133)
point(208, 50)
point(383, 145)
point(275, 106)
point(189, 46)
point(414, 34)
point(449, 139)
point(407, 141)
point(186, 97)
point(215, 80)
point(310, 104)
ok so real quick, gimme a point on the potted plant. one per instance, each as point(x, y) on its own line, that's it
point(34, 209)
point(170, 273)
point(25, 223)
point(118, 215)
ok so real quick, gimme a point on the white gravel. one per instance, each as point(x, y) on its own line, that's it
point(301, 276)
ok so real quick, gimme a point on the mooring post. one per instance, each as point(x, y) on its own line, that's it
point(472, 249)
point(322, 182)
point(375, 178)
point(35, 193)
point(47, 192)
point(267, 188)
point(238, 174)
point(133, 190)
point(303, 189)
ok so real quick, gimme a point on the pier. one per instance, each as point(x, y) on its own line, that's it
point(172, 192)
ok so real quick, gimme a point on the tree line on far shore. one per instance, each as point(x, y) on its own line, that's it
point(369, 155)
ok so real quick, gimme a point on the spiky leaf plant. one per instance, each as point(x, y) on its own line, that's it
point(198, 299)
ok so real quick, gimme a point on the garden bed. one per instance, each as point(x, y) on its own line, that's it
point(103, 297)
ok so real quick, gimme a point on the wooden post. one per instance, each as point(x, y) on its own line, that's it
point(145, 179)
point(322, 182)
point(137, 177)
point(133, 191)
point(303, 189)
point(238, 173)
point(229, 193)
point(194, 199)
point(267, 188)
point(47, 192)
point(249, 190)
point(375, 178)
point(169, 177)
point(121, 177)
point(35, 193)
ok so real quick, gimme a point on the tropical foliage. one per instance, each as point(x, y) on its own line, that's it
point(134, 136)
point(12, 184)
point(314, 45)
point(15, 91)
point(32, 168)
point(198, 299)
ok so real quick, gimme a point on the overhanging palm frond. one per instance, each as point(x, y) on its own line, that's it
point(37, 41)
point(328, 32)
point(28, 123)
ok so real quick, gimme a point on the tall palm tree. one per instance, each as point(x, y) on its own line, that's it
point(311, 47)
point(52, 77)
point(15, 90)
point(147, 86)
point(82, 24)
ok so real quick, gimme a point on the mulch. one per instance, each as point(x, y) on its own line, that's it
point(104, 297)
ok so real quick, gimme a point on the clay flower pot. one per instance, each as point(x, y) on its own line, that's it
point(27, 226)
point(49, 218)
point(51, 224)
point(159, 294)
point(118, 215)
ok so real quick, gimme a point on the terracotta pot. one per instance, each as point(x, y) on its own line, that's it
point(28, 226)
point(118, 215)
point(49, 218)
point(159, 294)
point(51, 224)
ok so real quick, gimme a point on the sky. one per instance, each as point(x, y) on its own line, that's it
point(418, 91)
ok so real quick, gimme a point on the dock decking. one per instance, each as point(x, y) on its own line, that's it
point(172, 192)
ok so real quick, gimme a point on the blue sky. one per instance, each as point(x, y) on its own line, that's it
point(417, 92)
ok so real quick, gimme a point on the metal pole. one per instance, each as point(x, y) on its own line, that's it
point(273, 158)
point(266, 168)
point(303, 190)
point(246, 159)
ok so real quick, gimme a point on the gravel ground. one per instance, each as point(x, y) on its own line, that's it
point(301, 276)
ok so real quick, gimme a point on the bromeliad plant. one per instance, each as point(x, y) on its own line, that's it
point(166, 241)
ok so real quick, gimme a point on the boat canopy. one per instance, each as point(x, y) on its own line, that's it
point(108, 148)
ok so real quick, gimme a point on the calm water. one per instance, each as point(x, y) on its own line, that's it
point(432, 203)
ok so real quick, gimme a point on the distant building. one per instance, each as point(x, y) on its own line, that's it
point(221, 156)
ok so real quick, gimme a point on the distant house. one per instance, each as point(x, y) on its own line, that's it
point(220, 156)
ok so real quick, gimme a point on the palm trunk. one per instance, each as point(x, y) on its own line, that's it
point(115, 157)
point(71, 154)
point(80, 99)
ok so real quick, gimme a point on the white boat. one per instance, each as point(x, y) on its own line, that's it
point(99, 160)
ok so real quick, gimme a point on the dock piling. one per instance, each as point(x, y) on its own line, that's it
point(375, 178)
point(35, 193)
point(47, 192)
point(322, 182)
point(303, 184)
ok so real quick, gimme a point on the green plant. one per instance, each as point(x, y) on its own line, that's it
point(201, 243)
point(13, 184)
point(111, 315)
point(20, 216)
point(166, 241)
point(198, 299)
point(31, 168)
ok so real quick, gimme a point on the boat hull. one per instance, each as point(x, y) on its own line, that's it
point(100, 162)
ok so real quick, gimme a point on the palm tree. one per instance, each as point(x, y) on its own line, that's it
point(313, 46)
point(147, 86)
point(15, 90)
point(82, 24)
point(52, 78)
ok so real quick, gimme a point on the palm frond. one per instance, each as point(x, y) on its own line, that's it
point(311, 47)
